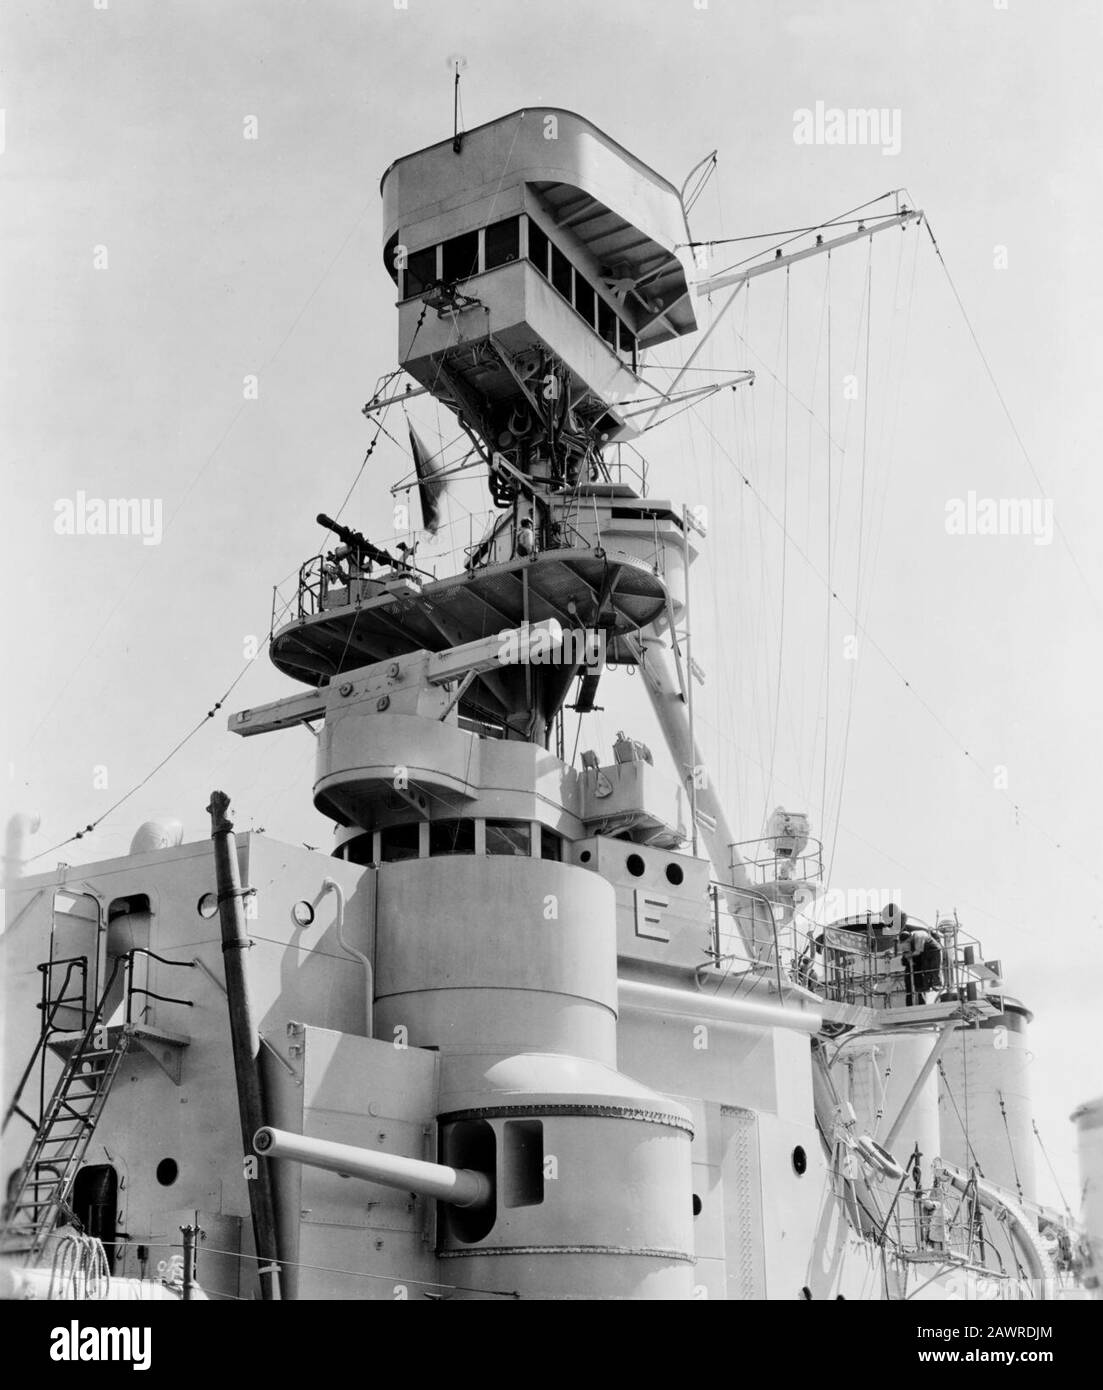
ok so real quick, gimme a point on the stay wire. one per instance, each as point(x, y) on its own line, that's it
point(196, 476)
point(1052, 1173)
point(764, 507)
point(858, 560)
point(91, 826)
point(214, 709)
point(784, 558)
point(1010, 418)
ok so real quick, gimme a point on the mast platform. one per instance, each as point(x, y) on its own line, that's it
point(862, 1017)
point(371, 619)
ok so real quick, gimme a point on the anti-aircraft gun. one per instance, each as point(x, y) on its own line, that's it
point(356, 547)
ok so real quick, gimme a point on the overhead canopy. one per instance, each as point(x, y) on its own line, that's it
point(621, 213)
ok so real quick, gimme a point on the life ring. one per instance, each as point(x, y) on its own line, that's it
point(879, 1158)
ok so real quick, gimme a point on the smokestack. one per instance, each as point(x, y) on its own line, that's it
point(21, 827)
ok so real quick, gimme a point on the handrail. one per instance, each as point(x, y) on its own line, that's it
point(47, 1027)
point(132, 989)
point(316, 589)
point(164, 960)
point(61, 1001)
point(745, 890)
point(808, 864)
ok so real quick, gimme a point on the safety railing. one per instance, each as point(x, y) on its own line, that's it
point(861, 962)
point(743, 934)
point(764, 865)
point(51, 1003)
point(628, 471)
point(322, 585)
point(50, 1006)
point(132, 989)
point(920, 1217)
point(313, 587)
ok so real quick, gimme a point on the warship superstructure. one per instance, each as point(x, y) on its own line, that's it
point(539, 1027)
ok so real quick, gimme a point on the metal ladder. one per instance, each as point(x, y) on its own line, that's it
point(41, 1190)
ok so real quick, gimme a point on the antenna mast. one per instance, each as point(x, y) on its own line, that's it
point(457, 62)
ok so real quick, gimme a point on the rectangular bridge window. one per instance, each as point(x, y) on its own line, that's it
point(584, 298)
point(452, 837)
point(551, 844)
point(538, 248)
point(460, 257)
point(421, 271)
point(502, 243)
point(508, 837)
point(399, 842)
point(628, 345)
point(561, 273)
point(606, 323)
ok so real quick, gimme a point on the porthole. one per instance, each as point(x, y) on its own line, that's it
point(207, 905)
point(800, 1161)
point(674, 874)
point(696, 1205)
point(585, 857)
point(167, 1171)
point(302, 914)
point(635, 865)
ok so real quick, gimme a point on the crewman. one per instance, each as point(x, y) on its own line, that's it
point(526, 537)
point(921, 953)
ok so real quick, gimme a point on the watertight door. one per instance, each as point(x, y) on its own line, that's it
point(75, 970)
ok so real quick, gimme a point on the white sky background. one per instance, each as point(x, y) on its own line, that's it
point(124, 128)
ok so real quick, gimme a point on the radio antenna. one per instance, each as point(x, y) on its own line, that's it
point(457, 62)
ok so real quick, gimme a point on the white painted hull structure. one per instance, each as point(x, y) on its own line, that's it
point(536, 1028)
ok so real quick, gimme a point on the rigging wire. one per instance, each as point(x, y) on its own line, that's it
point(1052, 1173)
point(92, 825)
point(1010, 418)
point(132, 585)
point(791, 232)
point(962, 1124)
point(834, 221)
point(784, 559)
point(808, 788)
point(858, 562)
point(1010, 1145)
point(708, 168)
point(371, 447)
point(827, 586)
point(322, 1269)
point(889, 451)
point(977, 764)
point(965, 1088)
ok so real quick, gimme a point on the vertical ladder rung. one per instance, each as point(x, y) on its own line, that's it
point(71, 1104)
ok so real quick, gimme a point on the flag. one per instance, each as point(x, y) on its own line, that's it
point(429, 484)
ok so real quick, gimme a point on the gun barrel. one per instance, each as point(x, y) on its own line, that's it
point(462, 1187)
point(345, 533)
point(356, 542)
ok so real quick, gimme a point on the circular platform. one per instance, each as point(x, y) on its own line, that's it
point(614, 593)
